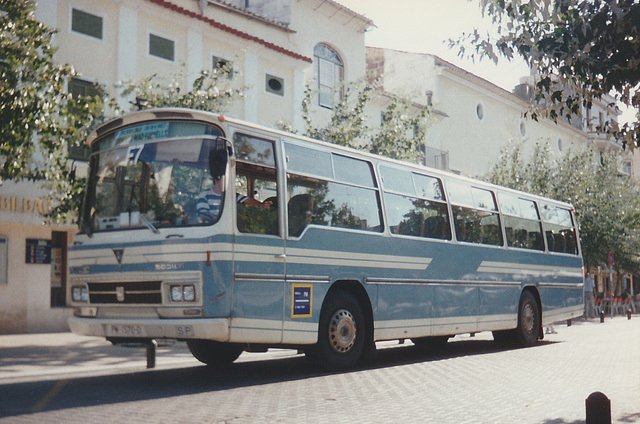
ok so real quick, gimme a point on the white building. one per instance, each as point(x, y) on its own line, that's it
point(478, 118)
point(276, 47)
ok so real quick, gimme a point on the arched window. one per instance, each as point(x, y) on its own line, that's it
point(330, 73)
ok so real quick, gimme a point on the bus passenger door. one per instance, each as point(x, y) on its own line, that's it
point(259, 256)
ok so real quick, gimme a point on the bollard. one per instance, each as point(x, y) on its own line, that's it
point(601, 316)
point(628, 313)
point(152, 347)
point(598, 409)
point(568, 323)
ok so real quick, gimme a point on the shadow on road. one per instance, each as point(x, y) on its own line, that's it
point(20, 398)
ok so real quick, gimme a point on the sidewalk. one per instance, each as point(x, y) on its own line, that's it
point(50, 356)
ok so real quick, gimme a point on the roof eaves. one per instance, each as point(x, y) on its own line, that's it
point(367, 23)
point(250, 14)
point(230, 30)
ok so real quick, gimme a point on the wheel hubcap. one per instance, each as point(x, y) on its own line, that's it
point(528, 319)
point(342, 331)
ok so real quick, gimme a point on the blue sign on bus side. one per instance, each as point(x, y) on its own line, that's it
point(301, 302)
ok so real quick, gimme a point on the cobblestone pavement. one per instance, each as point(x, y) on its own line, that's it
point(472, 380)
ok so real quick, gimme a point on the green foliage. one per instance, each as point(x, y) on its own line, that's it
point(39, 120)
point(211, 91)
point(607, 203)
point(348, 118)
point(400, 135)
point(592, 45)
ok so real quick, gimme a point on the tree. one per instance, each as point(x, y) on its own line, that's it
point(211, 91)
point(400, 135)
point(591, 47)
point(39, 120)
point(607, 203)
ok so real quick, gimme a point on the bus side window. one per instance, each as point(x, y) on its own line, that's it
point(559, 229)
point(330, 204)
point(475, 214)
point(256, 185)
point(521, 222)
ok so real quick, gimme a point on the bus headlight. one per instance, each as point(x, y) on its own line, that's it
point(189, 293)
point(79, 294)
point(183, 293)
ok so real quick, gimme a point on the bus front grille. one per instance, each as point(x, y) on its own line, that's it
point(126, 293)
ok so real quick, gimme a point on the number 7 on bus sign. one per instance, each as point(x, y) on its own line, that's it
point(301, 301)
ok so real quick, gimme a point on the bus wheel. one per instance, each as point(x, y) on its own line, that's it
point(528, 320)
point(214, 353)
point(341, 333)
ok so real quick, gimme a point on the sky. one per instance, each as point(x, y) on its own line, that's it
point(425, 26)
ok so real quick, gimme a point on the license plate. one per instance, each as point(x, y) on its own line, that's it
point(125, 330)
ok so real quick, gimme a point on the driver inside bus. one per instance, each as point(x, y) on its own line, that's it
point(210, 200)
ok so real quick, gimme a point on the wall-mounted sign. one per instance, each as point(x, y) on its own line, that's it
point(38, 251)
point(25, 205)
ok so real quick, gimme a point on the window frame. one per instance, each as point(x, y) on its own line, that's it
point(519, 216)
point(330, 176)
point(151, 34)
point(412, 192)
point(458, 207)
point(268, 89)
point(336, 62)
point(86, 34)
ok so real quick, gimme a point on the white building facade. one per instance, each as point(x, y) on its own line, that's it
point(276, 48)
point(477, 118)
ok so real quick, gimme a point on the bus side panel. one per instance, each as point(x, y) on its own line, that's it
point(456, 307)
point(302, 306)
point(404, 310)
point(561, 303)
point(258, 290)
point(216, 277)
point(257, 311)
point(497, 307)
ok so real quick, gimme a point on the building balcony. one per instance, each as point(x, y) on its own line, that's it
point(604, 141)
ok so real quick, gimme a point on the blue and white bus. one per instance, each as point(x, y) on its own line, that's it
point(307, 245)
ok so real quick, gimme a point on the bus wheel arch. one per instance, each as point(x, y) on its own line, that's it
point(345, 328)
point(529, 328)
point(357, 290)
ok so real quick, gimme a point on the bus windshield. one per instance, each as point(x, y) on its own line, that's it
point(157, 184)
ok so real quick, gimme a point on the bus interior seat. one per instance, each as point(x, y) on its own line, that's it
point(300, 209)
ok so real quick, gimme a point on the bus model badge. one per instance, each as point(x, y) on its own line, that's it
point(119, 253)
point(120, 293)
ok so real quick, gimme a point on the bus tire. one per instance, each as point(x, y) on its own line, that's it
point(341, 333)
point(529, 325)
point(214, 353)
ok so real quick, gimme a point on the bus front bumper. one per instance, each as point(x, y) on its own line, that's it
point(197, 328)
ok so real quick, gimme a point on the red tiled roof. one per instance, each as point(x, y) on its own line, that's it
point(233, 31)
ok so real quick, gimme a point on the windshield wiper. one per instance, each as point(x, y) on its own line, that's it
point(86, 228)
point(149, 224)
